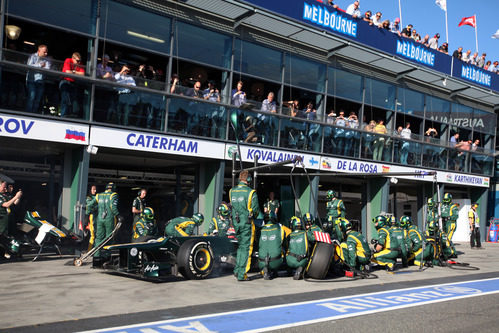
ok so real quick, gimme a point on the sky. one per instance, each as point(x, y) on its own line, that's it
point(428, 18)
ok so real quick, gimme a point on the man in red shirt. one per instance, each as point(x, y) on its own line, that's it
point(68, 87)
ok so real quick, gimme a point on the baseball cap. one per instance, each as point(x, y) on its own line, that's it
point(397, 20)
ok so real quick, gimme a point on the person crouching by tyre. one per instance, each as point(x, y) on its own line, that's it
point(245, 209)
point(298, 247)
point(355, 251)
point(145, 228)
point(106, 204)
point(183, 226)
point(219, 226)
point(270, 250)
point(384, 255)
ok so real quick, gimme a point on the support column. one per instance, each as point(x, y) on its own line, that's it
point(480, 195)
point(378, 191)
point(211, 183)
point(74, 188)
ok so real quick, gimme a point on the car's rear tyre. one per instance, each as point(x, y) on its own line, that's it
point(195, 259)
point(320, 260)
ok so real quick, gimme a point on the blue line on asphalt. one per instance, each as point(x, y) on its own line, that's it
point(287, 315)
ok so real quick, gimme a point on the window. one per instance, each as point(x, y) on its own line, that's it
point(74, 15)
point(345, 84)
point(484, 121)
point(257, 60)
point(410, 101)
point(380, 94)
point(126, 24)
point(202, 45)
point(305, 73)
point(437, 109)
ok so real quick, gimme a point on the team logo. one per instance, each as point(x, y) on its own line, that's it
point(458, 290)
point(232, 151)
point(448, 177)
point(72, 134)
point(326, 163)
point(385, 168)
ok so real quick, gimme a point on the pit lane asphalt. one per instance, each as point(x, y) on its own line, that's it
point(50, 295)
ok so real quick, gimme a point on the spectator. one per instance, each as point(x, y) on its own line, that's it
point(444, 48)
point(426, 40)
point(379, 141)
point(395, 26)
point(250, 129)
point(458, 53)
point(385, 25)
point(475, 145)
point(481, 61)
point(367, 17)
point(339, 133)
point(377, 19)
point(433, 42)
point(176, 86)
point(430, 134)
point(310, 113)
point(211, 93)
point(35, 82)
point(368, 138)
point(474, 58)
point(407, 31)
point(269, 104)
point(466, 56)
point(126, 97)
point(354, 10)
point(104, 71)
point(238, 95)
point(487, 65)
point(453, 140)
point(330, 3)
point(69, 93)
point(294, 108)
point(404, 149)
point(351, 136)
point(331, 117)
point(493, 67)
point(415, 36)
point(195, 91)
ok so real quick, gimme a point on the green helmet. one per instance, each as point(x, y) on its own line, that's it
point(223, 210)
point(432, 225)
point(331, 194)
point(111, 186)
point(198, 218)
point(308, 219)
point(379, 221)
point(345, 225)
point(447, 198)
point(393, 221)
point(431, 203)
point(295, 223)
point(148, 213)
point(405, 222)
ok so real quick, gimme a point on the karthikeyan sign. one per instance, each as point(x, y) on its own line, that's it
point(332, 20)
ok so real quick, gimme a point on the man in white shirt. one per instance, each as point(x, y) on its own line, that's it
point(354, 10)
point(433, 42)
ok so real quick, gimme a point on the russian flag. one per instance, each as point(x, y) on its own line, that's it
point(74, 135)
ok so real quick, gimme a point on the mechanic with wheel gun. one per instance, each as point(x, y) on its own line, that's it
point(106, 204)
point(310, 227)
point(145, 228)
point(183, 226)
point(414, 241)
point(271, 246)
point(450, 214)
point(298, 248)
point(220, 225)
point(245, 208)
point(385, 246)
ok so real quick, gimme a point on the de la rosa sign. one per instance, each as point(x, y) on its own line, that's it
point(46, 130)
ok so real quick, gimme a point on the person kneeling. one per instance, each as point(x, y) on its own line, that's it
point(270, 252)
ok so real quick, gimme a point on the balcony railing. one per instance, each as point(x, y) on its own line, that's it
point(81, 98)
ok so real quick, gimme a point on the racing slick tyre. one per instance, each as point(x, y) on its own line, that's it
point(195, 259)
point(320, 260)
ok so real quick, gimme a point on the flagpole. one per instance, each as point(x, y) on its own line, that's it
point(476, 34)
point(446, 25)
point(400, 14)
